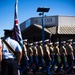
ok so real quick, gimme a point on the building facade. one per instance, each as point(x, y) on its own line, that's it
point(58, 27)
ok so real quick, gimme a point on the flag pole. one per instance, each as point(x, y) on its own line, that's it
point(17, 33)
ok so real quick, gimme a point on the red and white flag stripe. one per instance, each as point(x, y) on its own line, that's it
point(17, 34)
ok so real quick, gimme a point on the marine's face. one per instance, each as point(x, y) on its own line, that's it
point(64, 44)
point(71, 43)
point(25, 43)
point(48, 42)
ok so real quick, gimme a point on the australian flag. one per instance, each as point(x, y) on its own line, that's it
point(17, 34)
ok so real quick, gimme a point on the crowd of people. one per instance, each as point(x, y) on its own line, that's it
point(49, 58)
point(35, 57)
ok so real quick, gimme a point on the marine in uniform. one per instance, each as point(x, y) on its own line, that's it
point(0, 54)
point(9, 65)
point(40, 55)
point(24, 60)
point(62, 57)
point(0, 50)
point(70, 56)
point(30, 55)
point(51, 54)
point(74, 50)
point(56, 54)
point(35, 55)
point(47, 57)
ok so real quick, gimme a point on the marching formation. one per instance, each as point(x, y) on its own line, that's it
point(49, 58)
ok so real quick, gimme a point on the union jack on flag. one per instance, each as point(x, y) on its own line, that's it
point(17, 34)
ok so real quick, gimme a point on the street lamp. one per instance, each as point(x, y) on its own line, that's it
point(42, 10)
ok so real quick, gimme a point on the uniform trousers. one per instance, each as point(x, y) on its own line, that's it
point(70, 63)
point(31, 64)
point(52, 61)
point(9, 67)
point(30, 60)
point(56, 60)
point(47, 63)
point(62, 62)
point(74, 60)
point(41, 61)
point(24, 65)
point(35, 61)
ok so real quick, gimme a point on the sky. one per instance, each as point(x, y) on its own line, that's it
point(28, 8)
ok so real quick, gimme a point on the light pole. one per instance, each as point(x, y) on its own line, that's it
point(42, 10)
